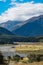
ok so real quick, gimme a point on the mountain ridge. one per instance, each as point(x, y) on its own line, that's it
point(33, 27)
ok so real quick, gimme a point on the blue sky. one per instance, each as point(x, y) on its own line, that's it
point(19, 9)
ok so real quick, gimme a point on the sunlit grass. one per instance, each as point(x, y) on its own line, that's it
point(29, 47)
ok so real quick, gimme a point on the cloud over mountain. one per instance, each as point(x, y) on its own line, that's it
point(22, 11)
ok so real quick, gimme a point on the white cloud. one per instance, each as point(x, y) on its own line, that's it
point(32, 2)
point(12, 2)
point(22, 11)
point(16, 0)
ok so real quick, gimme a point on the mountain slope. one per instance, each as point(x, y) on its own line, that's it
point(10, 25)
point(5, 31)
point(33, 27)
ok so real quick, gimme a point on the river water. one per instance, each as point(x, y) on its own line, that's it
point(9, 50)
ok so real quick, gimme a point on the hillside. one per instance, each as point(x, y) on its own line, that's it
point(10, 25)
point(33, 27)
point(5, 31)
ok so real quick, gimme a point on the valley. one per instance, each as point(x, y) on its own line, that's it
point(21, 42)
point(9, 50)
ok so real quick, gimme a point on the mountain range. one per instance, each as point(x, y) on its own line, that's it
point(29, 28)
point(12, 25)
point(33, 27)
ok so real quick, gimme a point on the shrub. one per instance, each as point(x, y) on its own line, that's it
point(17, 58)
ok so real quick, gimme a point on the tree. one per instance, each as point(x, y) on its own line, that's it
point(17, 58)
point(1, 58)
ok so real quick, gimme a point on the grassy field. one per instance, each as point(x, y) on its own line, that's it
point(20, 63)
point(29, 47)
point(34, 63)
point(26, 49)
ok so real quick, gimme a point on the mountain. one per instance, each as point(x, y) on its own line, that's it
point(33, 27)
point(11, 25)
point(5, 31)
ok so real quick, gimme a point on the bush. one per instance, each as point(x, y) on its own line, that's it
point(1, 58)
point(17, 58)
point(25, 60)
